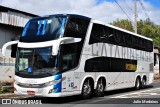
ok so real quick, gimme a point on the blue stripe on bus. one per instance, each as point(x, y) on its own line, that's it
point(62, 26)
point(44, 27)
point(39, 27)
point(58, 86)
point(25, 29)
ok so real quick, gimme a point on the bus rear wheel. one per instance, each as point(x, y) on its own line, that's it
point(87, 89)
point(137, 84)
point(143, 83)
point(99, 92)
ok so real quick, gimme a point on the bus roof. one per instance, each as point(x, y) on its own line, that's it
point(129, 32)
point(63, 15)
point(71, 15)
point(98, 22)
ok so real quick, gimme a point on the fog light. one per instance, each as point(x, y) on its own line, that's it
point(52, 91)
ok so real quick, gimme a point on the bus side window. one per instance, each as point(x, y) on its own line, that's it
point(76, 27)
point(97, 64)
point(97, 34)
point(68, 62)
point(69, 56)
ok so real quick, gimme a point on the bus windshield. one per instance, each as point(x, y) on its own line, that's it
point(44, 29)
point(37, 62)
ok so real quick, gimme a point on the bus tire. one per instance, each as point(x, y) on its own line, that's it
point(143, 83)
point(87, 89)
point(137, 83)
point(99, 92)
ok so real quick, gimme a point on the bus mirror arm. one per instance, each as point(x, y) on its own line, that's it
point(65, 40)
point(6, 45)
point(68, 40)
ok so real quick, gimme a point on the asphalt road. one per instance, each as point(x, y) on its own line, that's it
point(146, 97)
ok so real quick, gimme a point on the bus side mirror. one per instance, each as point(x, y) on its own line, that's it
point(65, 40)
point(13, 52)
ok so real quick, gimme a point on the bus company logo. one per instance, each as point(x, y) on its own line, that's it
point(6, 101)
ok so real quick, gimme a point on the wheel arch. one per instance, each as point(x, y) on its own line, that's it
point(138, 76)
point(144, 77)
point(87, 77)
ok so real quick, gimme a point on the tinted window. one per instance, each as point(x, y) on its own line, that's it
point(76, 27)
point(43, 29)
point(101, 33)
point(70, 54)
point(109, 64)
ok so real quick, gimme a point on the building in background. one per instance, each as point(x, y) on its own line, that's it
point(12, 22)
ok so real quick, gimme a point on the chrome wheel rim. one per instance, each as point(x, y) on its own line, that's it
point(144, 82)
point(100, 87)
point(86, 89)
point(138, 84)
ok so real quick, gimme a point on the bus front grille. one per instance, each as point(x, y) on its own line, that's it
point(31, 85)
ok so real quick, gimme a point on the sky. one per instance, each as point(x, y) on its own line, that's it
point(104, 10)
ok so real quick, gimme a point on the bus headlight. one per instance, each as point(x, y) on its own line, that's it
point(52, 82)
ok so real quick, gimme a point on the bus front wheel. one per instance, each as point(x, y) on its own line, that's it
point(87, 89)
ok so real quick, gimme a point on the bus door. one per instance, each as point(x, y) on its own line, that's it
point(68, 63)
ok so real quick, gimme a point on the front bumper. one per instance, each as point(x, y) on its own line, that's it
point(44, 92)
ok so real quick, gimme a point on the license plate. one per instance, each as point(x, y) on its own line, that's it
point(31, 93)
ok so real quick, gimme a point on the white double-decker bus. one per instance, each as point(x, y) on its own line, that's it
point(65, 54)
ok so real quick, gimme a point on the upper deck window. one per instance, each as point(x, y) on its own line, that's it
point(43, 29)
point(105, 34)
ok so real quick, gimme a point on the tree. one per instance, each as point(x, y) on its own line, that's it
point(144, 27)
point(124, 24)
